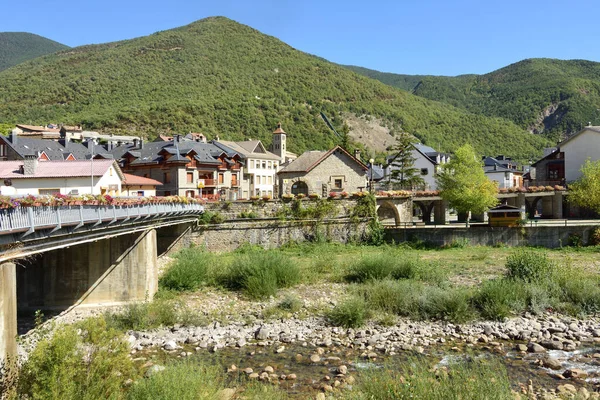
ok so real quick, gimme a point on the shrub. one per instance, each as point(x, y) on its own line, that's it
point(595, 237)
point(528, 265)
point(470, 379)
point(498, 298)
point(248, 214)
point(148, 315)
point(351, 313)
point(260, 274)
point(92, 365)
point(209, 217)
point(373, 266)
point(188, 272)
point(184, 380)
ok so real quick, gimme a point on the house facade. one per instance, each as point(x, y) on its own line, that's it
point(31, 176)
point(503, 171)
point(134, 186)
point(322, 172)
point(562, 165)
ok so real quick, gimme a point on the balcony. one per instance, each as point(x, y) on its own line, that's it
point(207, 182)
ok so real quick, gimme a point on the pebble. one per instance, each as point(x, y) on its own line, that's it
point(315, 358)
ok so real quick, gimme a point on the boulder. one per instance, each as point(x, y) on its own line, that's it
point(575, 373)
point(535, 348)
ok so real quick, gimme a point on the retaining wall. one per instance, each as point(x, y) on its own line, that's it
point(544, 236)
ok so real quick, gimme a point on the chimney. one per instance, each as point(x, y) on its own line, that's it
point(501, 158)
point(136, 143)
point(217, 138)
point(30, 162)
point(495, 167)
point(178, 138)
point(357, 154)
point(13, 136)
point(141, 143)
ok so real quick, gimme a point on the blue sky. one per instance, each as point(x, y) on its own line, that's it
point(404, 36)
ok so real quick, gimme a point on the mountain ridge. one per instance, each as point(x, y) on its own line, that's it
point(223, 78)
point(17, 47)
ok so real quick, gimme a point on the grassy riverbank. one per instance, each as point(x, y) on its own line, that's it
point(348, 285)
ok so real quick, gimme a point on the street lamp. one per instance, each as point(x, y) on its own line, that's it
point(371, 161)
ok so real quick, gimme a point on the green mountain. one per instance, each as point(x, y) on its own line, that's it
point(554, 97)
point(222, 78)
point(404, 82)
point(16, 47)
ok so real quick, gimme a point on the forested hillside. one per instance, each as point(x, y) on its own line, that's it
point(404, 82)
point(223, 78)
point(16, 47)
point(549, 96)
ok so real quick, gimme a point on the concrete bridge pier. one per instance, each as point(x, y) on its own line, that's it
point(114, 270)
point(441, 213)
point(552, 206)
point(8, 316)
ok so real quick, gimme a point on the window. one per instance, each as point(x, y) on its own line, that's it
point(221, 179)
point(424, 171)
point(338, 183)
point(140, 193)
point(190, 177)
point(270, 180)
point(3, 150)
point(234, 180)
point(270, 164)
point(251, 163)
point(166, 177)
point(258, 179)
point(190, 193)
point(48, 192)
point(264, 165)
point(110, 171)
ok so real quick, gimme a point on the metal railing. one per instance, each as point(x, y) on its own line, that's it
point(29, 219)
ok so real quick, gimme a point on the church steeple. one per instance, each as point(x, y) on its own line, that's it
point(279, 142)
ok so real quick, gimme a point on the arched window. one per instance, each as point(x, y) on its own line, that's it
point(300, 187)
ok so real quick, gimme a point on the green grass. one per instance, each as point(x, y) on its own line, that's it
point(416, 379)
point(190, 270)
point(350, 313)
point(148, 315)
point(183, 380)
point(261, 274)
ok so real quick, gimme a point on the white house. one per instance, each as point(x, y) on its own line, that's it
point(134, 185)
point(427, 161)
point(581, 146)
point(66, 177)
point(505, 177)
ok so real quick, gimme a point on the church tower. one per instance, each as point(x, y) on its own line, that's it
point(279, 142)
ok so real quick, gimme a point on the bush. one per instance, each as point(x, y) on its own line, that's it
point(351, 313)
point(465, 380)
point(148, 315)
point(209, 217)
point(260, 274)
point(184, 380)
point(189, 271)
point(529, 266)
point(595, 237)
point(92, 365)
point(393, 265)
point(498, 298)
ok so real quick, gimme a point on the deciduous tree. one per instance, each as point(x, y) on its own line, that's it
point(462, 182)
point(585, 192)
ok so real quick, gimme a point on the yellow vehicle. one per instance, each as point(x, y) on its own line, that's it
point(504, 215)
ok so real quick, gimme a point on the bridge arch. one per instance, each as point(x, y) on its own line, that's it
point(388, 210)
point(300, 187)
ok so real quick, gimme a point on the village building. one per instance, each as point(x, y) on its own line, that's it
point(134, 185)
point(16, 147)
point(184, 167)
point(34, 177)
point(426, 160)
point(562, 164)
point(322, 172)
point(503, 171)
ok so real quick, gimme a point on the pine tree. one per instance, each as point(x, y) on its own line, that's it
point(403, 173)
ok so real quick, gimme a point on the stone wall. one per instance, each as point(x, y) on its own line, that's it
point(271, 233)
point(268, 209)
point(544, 236)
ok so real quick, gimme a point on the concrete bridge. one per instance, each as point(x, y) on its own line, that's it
point(60, 257)
point(398, 210)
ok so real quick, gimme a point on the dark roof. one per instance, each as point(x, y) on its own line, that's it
point(153, 152)
point(310, 159)
point(499, 168)
point(377, 173)
point(55, 150)
point(428, 152)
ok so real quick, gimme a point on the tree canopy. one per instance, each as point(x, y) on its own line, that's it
point(403, 174)
point(462, 182)
point(585, 192)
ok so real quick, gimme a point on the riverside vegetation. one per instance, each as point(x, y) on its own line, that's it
point(377, 285)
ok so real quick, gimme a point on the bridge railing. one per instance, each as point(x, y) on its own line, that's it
point(29, 219)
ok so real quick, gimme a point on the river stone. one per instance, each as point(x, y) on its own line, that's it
point(575, 373)
point(170, 345)
point(552, 363)
point(535, 348)
point(262, 333)
point(342, 369)
point(253, 375)
point(566, 388)
point(241, 342)
point(315, 358)
point(320, 396)
point(269, 369)
point(248, 371)
point(291, 377)
point(280, 349)
point(521, 347)
point(552, 344)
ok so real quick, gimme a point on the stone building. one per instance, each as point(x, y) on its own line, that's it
point(322, 172)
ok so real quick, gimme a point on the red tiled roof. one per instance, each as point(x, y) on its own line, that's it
point(279, 129)
point(56, 169)
point(134, 180)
